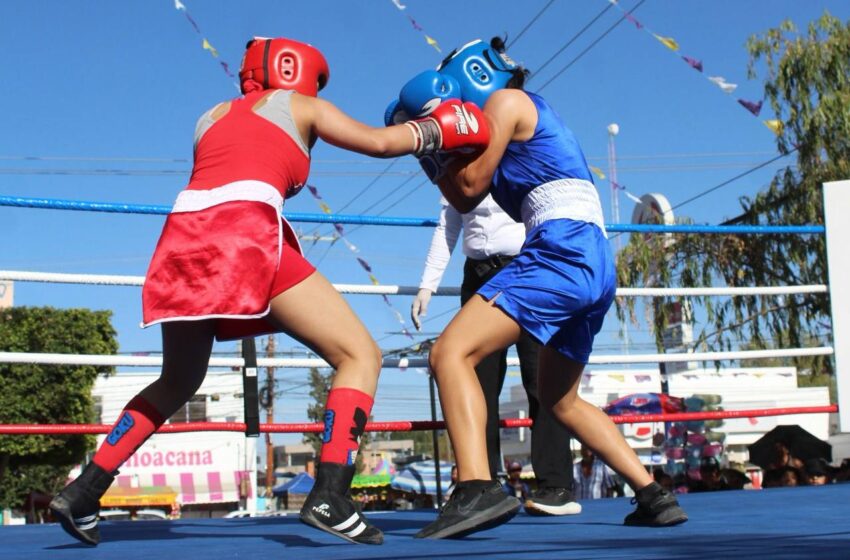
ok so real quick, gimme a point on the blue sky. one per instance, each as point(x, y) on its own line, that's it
point(100, 100)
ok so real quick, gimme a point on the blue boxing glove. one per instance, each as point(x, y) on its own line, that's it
point(422, 94)
point(395, 114)
point(434, 165)
point(418, 98)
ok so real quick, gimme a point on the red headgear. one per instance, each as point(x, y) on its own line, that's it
point(284, 64)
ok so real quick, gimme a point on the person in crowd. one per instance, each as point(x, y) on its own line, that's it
point(514, 485)
point(817, 472)
point(593, 478)
point(710, 478)
point(782, 457)
point(557, 289)
point(228, 266)
point(491, 239)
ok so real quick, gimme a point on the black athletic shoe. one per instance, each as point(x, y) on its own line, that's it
point(656, 507)
point(329, 507)
point(552, 501)
point(474, 505)
point(77, 506)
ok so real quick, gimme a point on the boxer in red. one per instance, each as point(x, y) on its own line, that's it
point(228, 266)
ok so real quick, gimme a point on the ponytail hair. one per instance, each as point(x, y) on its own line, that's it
point(519, 74)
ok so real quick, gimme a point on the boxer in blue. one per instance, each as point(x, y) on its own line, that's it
point(557, 289)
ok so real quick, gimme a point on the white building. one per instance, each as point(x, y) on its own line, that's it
point(738, 388)
point(209, 471)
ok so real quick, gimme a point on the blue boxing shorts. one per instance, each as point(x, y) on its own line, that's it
point(559, 286)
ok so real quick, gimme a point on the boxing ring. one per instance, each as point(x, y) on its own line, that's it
point(779, 523)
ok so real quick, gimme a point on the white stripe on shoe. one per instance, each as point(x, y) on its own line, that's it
point(341, 527)
point(86, 523)
point(357, 530)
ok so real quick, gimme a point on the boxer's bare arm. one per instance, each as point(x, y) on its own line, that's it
point(319, 118)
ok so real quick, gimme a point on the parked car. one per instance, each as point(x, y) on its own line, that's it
point(115, 515)
point(150, 515)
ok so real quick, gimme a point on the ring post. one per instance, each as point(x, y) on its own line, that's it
point(836, 203)
point(249, 385)
point(436, 438)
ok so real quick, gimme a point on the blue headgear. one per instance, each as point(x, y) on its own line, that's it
point(480, 70)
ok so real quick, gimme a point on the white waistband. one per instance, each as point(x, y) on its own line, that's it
point(248, 190)
point(574, 199)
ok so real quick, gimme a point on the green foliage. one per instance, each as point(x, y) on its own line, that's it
point(47, 394)
point(320, 385)
point(807, 83)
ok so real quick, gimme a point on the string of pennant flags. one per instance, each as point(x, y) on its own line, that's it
point(754, 107)
point(617, 186)
point(428, 39)
point(205, 43)
point(360, 260)
point(340, 231)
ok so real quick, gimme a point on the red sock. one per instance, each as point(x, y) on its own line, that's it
point(346, 413)
point(137, 422)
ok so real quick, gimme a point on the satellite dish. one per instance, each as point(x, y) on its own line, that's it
point(654, 208)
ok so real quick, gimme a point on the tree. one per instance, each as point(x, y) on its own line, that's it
point(47, 394)
point(320, 386)
point(807, 83)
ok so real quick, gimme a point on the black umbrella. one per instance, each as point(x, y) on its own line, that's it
point(800, 443)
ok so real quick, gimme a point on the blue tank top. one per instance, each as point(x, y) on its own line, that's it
point(552, 153)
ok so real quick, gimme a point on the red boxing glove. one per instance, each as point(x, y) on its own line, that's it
point(452, 126)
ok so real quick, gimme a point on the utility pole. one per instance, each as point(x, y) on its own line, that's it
point(270, 390)
point(614, 130)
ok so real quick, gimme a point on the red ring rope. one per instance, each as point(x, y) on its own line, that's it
point(406, 426)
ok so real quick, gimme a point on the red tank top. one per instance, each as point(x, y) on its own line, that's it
point(243, 145)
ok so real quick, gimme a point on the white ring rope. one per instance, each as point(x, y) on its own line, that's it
point(111, 280)
point(110, 360)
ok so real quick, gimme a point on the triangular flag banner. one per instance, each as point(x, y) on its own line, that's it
point(374, 280)
point(195, 25)
point(632, 19)
point(775, 125)
point(723, 84)
point(325, 208)
point(632, 197)
point(226, 68)
point(416, 26)
point(351, 246)
point(668, 42)
point(364, 264)
point(751, 106)
point(179, 5)
point(208, 47)
point(433, 43)
point(598, 172)
point(399, 5)
point(693, 63)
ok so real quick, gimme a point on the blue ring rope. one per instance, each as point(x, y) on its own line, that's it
point(158, 209)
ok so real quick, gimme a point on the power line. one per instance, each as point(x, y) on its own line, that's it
point(586, 50)
point(735, 178)
point(529, 24)
point(571, 41)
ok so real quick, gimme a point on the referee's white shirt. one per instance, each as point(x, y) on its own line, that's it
point(487, 231)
